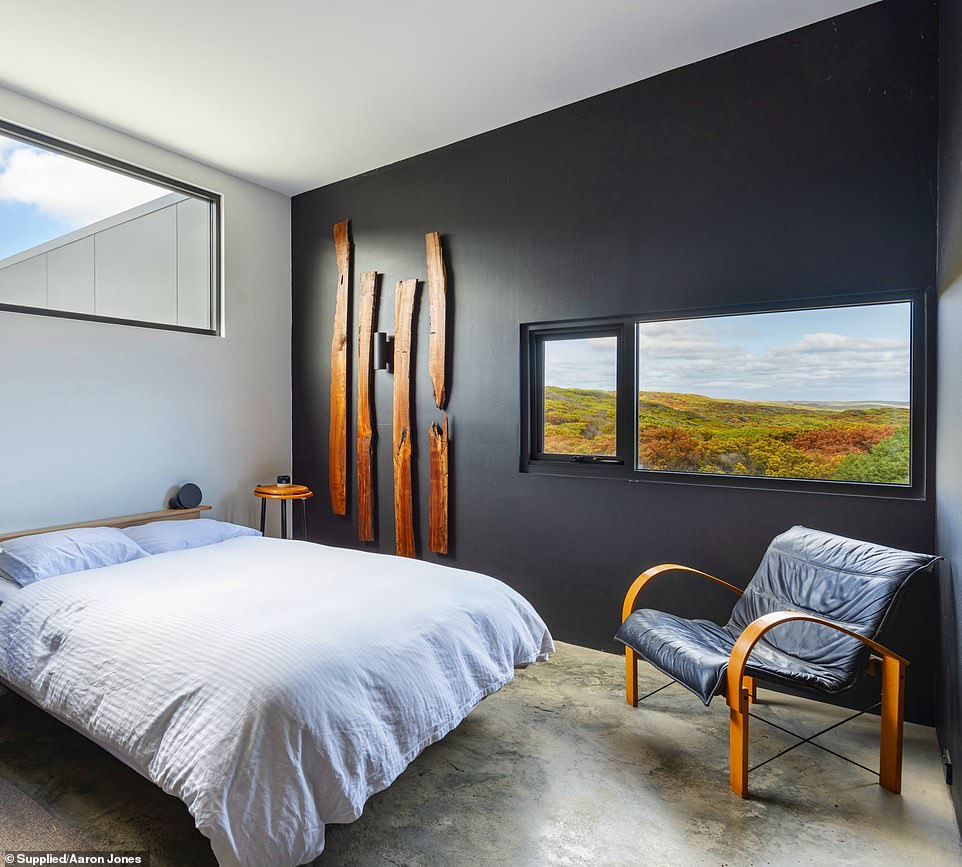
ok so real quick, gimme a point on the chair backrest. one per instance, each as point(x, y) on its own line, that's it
point(854, 583)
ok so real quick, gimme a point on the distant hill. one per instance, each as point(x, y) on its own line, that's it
point(837, 440)
point(845, 404)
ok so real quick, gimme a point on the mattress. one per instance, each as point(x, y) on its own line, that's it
point(271, 685)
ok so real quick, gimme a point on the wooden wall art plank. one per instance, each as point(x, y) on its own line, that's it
point(366, 432)
point(437, 303)
point(403, 496)
point(337, 442)
point(438, 518)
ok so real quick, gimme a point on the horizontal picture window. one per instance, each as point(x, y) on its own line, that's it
point(824, 397)
point(800, 394)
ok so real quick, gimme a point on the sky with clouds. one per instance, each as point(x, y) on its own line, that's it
point(843, 353)
point(581, 363)
point(44, 195)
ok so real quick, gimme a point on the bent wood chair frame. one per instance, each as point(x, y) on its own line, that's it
point(741, 688)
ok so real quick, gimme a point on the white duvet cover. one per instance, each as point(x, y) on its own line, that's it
point(273, 686)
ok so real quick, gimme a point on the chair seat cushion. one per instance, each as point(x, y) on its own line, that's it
point(695, 653)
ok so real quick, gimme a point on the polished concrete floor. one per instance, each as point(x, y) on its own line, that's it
point(554, 770)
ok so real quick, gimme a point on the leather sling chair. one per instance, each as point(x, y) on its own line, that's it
point(808, 619)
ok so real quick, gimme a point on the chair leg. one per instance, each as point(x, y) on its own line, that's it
point(893, 707)
point(631, 677)
point(750, 686)
point(738, 745)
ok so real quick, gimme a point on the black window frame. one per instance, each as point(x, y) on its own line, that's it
point(49, 143)
point(536, 462)
point(533, 416)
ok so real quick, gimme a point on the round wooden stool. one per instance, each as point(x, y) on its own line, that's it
point(284, 493)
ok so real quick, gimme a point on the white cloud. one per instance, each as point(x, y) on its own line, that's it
point(581, 363)
point(7, 145)
point(826, 342)
point(687, 356)
point(68, 190)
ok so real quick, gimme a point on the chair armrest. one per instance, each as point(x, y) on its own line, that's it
point(654, 572)
point(757, 628)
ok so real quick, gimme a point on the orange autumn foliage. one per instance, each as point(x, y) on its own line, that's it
point(837, 442)
point(667, 448)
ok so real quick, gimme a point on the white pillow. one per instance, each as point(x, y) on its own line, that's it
point(28, 559)
point(7, 588)
point(162, 536)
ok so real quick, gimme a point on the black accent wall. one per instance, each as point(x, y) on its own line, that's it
point(801, 166)
point(949, 482)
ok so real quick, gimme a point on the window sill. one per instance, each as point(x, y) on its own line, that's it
point(751, 483)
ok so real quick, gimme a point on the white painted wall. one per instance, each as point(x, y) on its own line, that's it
point(99, 420)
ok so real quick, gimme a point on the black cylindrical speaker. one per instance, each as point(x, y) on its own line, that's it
point(188, 497)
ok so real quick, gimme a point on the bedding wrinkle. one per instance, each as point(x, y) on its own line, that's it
point(271, 685)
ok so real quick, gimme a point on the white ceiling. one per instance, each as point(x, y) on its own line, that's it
point(294, 94)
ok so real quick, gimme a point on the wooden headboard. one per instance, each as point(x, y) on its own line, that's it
point(122, 521)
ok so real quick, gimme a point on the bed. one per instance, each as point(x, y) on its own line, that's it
point(272, 685)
